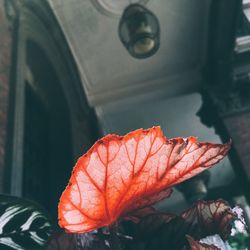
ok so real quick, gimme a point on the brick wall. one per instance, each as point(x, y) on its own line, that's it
point(5, 53)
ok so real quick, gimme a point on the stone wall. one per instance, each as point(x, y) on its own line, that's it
point(237, 126)
point(5, 59)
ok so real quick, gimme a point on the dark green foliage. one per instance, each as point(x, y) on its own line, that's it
point(23, 224)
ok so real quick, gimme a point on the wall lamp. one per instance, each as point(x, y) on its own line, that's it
point(139, 31)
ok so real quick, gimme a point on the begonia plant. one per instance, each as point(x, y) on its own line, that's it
point(107, 203)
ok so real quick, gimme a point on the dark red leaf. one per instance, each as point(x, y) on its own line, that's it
point(203, 219)
point(66, 241)
point(62, 241)
point(151, 223)
point(162, 232)
point(196, 245)
point(121, 174)
point(211, 217)
point(139, 214)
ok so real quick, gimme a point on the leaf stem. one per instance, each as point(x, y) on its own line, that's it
point(114, 241)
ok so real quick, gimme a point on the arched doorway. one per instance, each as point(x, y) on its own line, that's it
point(47, 156)
point(51, 123)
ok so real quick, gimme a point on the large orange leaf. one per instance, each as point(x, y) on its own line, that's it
point(121, 174)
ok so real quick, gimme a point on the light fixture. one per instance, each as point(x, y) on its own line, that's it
point(139, 31)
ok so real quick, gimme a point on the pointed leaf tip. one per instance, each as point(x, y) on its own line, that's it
point(121, 174)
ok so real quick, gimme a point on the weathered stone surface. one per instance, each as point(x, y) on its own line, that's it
point(5, 62)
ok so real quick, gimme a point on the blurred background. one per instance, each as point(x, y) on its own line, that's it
point(71, 73)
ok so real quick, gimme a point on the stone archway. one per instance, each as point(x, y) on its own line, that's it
point(49, 116)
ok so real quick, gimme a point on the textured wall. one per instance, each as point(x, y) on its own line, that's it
point(5, 51)
point(238, 128)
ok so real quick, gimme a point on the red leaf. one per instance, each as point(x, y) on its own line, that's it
point(120, 174)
